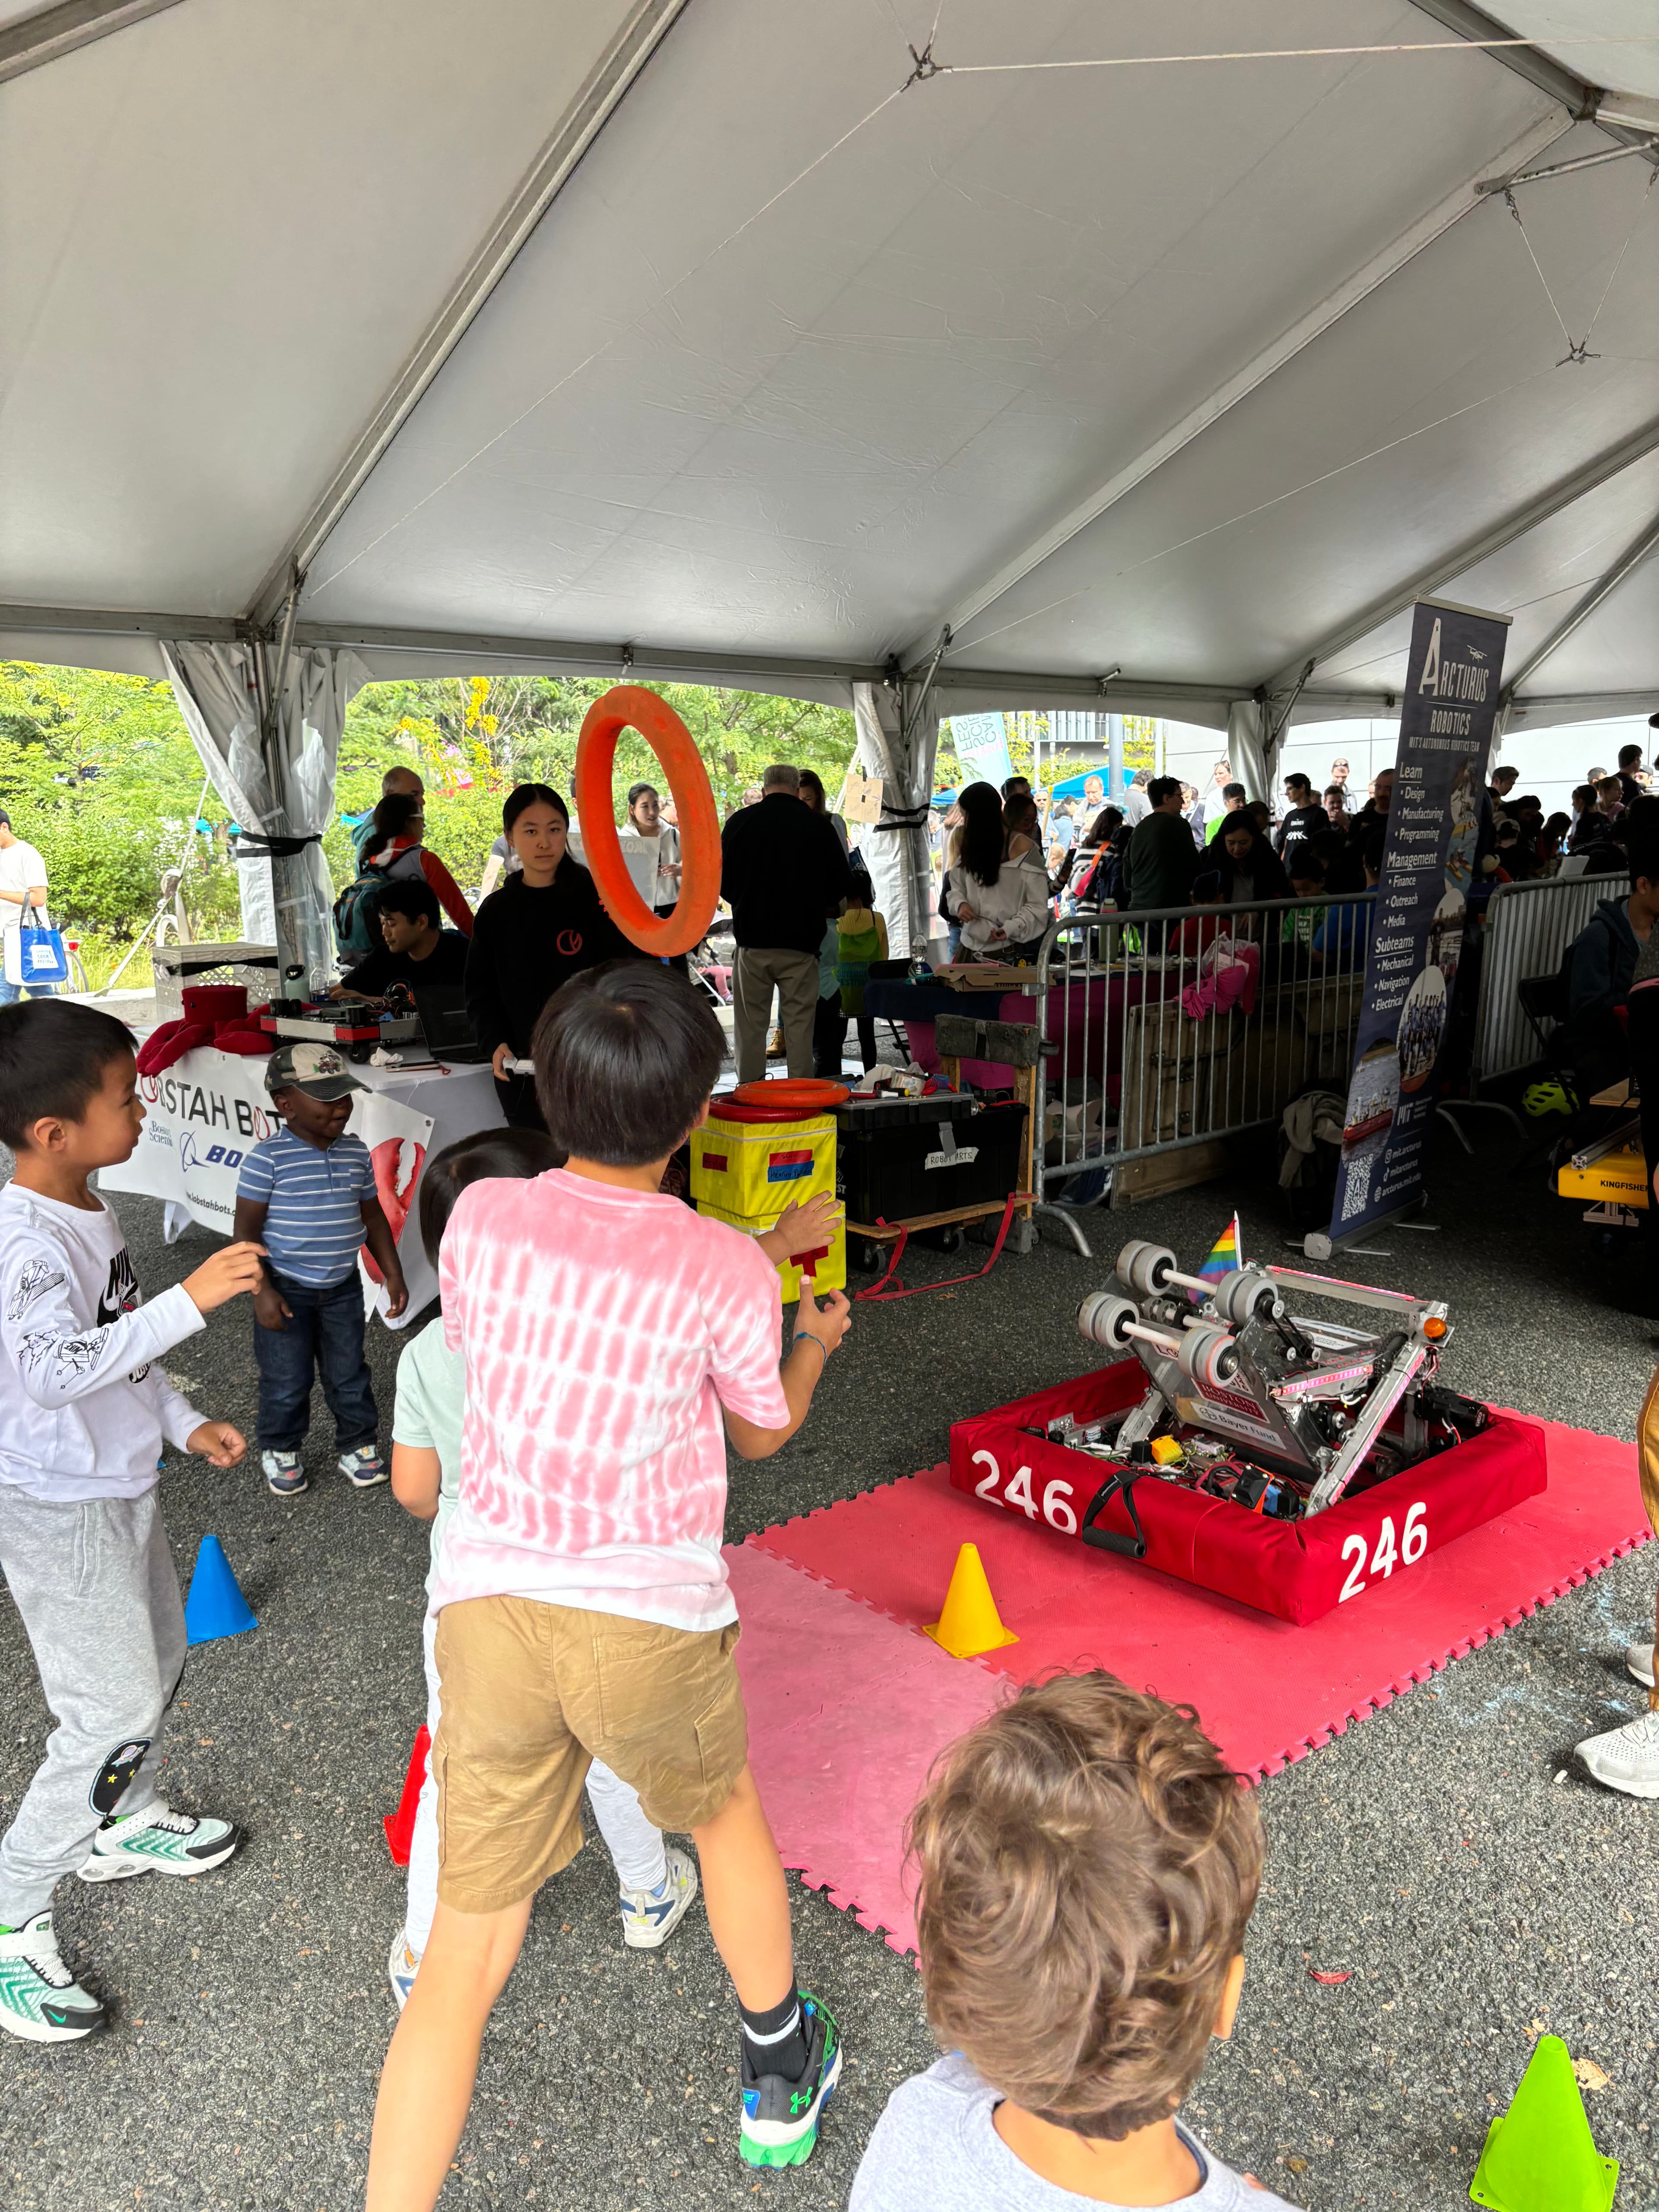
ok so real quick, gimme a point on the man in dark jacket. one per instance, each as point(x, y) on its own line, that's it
point(783, 873)
point(1163, 860)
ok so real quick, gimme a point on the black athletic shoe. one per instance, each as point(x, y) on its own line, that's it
point(780, 2117)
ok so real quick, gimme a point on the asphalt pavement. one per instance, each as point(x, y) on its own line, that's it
point(1446, 1854)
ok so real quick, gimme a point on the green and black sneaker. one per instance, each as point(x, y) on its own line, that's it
point(158, 1840)
point(780, 2117)
point(41, 2000)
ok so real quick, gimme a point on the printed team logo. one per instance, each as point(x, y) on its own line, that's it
point(149, 1089)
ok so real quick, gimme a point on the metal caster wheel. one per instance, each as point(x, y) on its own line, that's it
point(866, 1257)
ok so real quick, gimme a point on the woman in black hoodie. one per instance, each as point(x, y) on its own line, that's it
point(543, 925)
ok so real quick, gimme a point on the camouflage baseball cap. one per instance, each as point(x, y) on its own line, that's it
point(318, 1070)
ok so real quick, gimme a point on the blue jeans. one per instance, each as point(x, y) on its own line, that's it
point(324, 1337)
point(11, 992)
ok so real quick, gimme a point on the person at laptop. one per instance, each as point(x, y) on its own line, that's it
point(416, 948)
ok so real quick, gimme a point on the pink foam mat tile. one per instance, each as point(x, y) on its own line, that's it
point(1267, 1692)
point(847, 1712)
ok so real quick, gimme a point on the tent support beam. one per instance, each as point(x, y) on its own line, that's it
point(1576, 93)
point(578, 127)
point(1594, 473)
point(54, 32)
point(1348, 295)
point(1603, 588)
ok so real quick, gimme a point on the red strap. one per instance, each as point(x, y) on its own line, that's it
point(878, 1290)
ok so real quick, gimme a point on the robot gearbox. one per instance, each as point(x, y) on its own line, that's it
point(1287, 1461)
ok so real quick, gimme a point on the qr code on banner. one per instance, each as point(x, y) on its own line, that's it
point(1357, 1195)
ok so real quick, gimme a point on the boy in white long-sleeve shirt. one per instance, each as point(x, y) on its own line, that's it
point(84, 1409)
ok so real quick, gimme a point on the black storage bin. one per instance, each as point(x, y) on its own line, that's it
point(900, 1171)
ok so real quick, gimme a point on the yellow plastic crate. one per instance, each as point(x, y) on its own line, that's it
point(749, 1170)
point(831, 1269)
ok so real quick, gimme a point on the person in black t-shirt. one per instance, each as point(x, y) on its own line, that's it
point(415, 948)
point(1306, 818)
point(543, 925)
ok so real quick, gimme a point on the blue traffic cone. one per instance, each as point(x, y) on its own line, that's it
point(215, 1606)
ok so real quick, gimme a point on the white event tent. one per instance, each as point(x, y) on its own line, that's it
point(922, 356)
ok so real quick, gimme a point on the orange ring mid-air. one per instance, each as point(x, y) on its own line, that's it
point(631, 707)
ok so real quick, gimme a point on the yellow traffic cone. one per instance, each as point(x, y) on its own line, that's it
point(1541, 2156)
point(970, 1622)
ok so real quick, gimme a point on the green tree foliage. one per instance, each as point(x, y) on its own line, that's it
point(98, 772)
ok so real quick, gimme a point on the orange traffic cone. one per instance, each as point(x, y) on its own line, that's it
point(970, 1622)
point(1540, 2155)
point(400, 1825)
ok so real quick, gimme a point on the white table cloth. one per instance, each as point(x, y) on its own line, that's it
point(202, 1115)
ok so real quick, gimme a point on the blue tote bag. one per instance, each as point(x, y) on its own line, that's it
point(35, 954)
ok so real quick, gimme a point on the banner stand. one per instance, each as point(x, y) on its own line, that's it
point(1320, 1244)
point(1426, 871)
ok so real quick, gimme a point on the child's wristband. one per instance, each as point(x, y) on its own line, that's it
point(816, 1342)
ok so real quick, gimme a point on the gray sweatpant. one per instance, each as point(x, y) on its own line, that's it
point(98, 1595)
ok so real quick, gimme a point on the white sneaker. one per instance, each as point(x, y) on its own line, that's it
point(1639, 1662)
point(364, 1467)
point(158, 1840)
point(41, 2000)
point(284, 1476)
point(401, 1967)
point(649, 1916)
point(1627, 1757)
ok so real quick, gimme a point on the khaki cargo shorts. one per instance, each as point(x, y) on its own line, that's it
point(529, 1695)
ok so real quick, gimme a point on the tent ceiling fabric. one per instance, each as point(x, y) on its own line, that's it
point(1179, 369)
point(221, 230)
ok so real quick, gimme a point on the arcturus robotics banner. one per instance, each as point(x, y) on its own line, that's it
point(1447, 712)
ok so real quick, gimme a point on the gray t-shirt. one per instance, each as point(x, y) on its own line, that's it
point(934, 2149)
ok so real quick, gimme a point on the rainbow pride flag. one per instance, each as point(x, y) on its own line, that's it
point(1225, 1254)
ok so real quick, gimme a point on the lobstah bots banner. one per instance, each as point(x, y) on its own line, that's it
point(1447, 713)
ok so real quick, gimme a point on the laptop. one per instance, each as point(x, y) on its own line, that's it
point(446, 1023)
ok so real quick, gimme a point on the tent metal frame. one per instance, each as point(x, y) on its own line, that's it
point(51, 33)
point(1323, 316)
point(597, 100)
point(924, 672)
point(1595, 472)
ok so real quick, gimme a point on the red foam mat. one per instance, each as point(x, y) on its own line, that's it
point(846, 1713)
point(1266, 1693)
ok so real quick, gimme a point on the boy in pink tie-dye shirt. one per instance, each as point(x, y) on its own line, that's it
point(615, 1342)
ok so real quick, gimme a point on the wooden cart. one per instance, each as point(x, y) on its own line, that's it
point(959, 1037)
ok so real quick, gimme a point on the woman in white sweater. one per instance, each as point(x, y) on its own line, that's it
point(1002, 903)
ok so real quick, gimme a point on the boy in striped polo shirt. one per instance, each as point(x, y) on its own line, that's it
point(307, 1195)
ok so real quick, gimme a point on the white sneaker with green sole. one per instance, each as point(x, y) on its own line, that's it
point(41, 2000)
point(158, 1840)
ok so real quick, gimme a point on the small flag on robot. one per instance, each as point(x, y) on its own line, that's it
point(1226, 1254)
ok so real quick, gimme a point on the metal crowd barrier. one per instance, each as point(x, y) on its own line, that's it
point(1529, 928)
point(1148, 1045)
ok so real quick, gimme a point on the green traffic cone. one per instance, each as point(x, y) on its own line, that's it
point(1542, 2156)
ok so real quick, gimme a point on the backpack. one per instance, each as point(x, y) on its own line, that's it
point(354, 915)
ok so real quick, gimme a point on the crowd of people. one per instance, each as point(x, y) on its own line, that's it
point(1163, 847)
